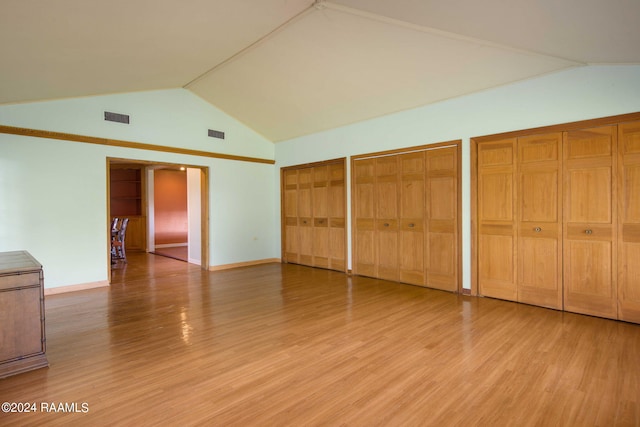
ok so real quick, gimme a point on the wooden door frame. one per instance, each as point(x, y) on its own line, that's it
point(340, 160)
point(455, 143)
point(204, 204)
point(564, 127)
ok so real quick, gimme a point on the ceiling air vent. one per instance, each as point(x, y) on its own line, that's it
point(115, 117)
point(216, 134)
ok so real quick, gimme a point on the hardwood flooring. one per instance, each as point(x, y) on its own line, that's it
point(286, 345)
point(178, 252)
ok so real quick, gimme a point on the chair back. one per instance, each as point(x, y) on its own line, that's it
point(123, 229)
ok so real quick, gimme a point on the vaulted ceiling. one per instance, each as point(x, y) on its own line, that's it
point(293, 67)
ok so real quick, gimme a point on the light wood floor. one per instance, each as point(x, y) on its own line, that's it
point(280, 345)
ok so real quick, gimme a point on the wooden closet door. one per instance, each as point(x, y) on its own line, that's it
point(629, 222)
point(320, 225)
point(590, 221)
point(305, 216)
point(364, 214)
point(386, 212)
point(412, 218)
point(337, 214)
point(290, 208)
point(496, 219)
point(442, 218)
point(540, 220)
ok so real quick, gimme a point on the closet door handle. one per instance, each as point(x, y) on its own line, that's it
point(537, 229)
point(411, 225)
point(386, 224)
point(588, 231)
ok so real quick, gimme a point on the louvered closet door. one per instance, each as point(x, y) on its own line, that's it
point(540, 220)
point(387, 216)
point(590, 266)
point(305, 216)
point(412, 218)
point(629, 225)
point(496, 219)
point(442, 218)
point(364, 176)
point(320, 202)
point(290, 195)
point(336, 211)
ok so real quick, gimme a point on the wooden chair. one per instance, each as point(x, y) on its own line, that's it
point(118, 250)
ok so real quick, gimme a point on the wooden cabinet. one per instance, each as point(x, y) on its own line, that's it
point(406, 216)
point(128, 200)
point(558, 219)
point(22, 329)
point(313, 215)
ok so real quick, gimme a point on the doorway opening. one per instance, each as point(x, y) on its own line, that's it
point(182, 226)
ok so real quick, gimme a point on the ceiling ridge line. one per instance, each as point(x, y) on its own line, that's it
point(317, 4)
point(435, 31)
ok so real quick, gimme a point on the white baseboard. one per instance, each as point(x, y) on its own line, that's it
point(171, 245)
point(74, 288)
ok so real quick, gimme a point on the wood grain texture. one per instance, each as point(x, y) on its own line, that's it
point(283, 344)
point(37, 133)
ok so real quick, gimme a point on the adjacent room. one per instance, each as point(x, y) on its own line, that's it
point(339, 212)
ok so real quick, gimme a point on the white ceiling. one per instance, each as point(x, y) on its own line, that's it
point(292, 67)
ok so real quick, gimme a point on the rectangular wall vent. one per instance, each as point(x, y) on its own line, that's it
point(216, 134)
point(115, 117)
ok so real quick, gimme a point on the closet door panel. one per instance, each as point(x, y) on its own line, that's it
point(495, 265)
point(291, 244)
point(386, 201)
point(320, 207)
point(590, 257)
point(412, 213)
point(337, 213)
point(539, 226)
point(496, 219)
point(364, 218)
point(629, 224)
point(305, 215)
point(442, 226)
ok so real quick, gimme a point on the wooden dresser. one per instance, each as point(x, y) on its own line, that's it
point(22, 331)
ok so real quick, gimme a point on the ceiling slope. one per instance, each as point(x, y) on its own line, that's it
point(335, 66)
point(69, 48)
point(287, 68)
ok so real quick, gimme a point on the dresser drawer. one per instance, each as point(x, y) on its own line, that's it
point(19, 280)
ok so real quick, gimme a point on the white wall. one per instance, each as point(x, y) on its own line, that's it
point(194, 209)
point(53, 194)
point(577, 94)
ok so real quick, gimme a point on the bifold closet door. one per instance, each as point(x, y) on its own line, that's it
point(337, 212)
point(376, 217)
point(314, 215)
point(305, 216)
point(412, 263)
point(364, 176)
point(539, 226)
point(629, 224)
point(590, 221)
point(320, 203)
point(290, 206)
point(387, 217)
point(442, 218)
point(496, 219)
